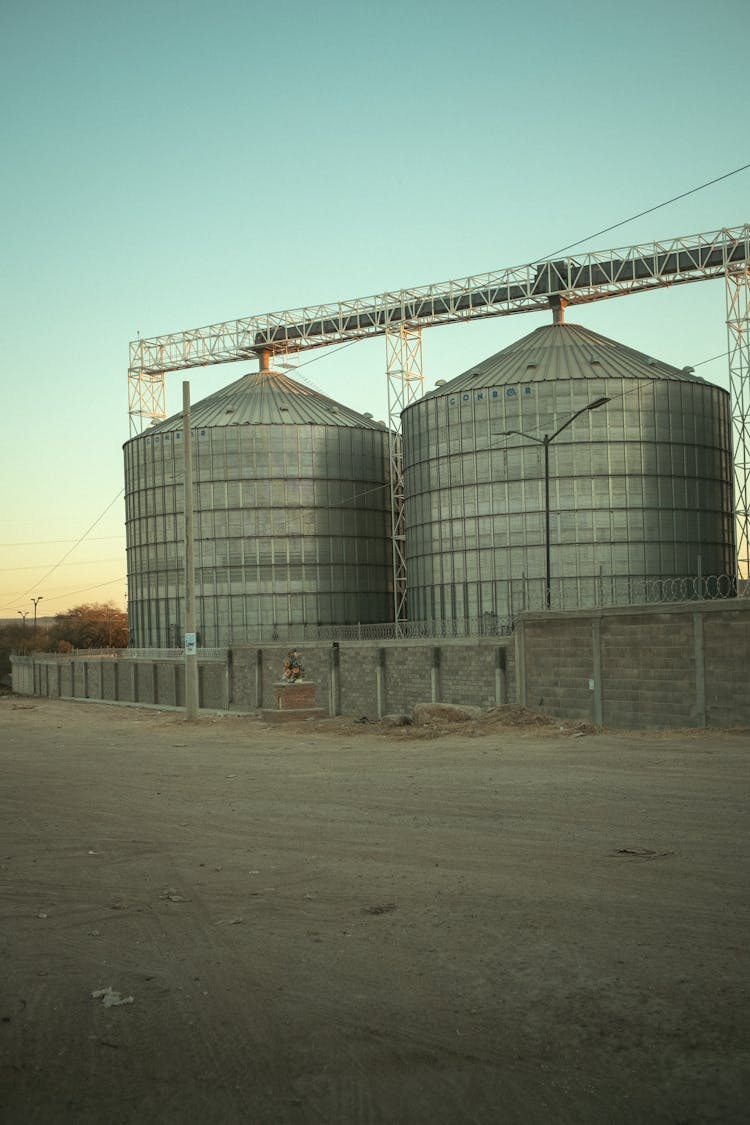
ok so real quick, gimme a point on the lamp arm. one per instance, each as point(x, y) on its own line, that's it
point(568, 423)
point(589, 406)
point(520, 433)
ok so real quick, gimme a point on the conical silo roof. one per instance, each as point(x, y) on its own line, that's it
point(268, 398)
point(557, 352)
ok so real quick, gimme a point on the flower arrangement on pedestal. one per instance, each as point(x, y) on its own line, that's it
point(293, 669)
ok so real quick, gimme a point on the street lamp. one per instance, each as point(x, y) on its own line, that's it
point(546, 441)
point(36, 602)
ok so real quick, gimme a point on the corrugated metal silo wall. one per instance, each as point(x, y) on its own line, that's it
point(640, 490)
point(292, 526)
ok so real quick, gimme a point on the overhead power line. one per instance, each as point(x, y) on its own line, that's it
point(67, 554)
point(648, 211)
point(49, 542)
point(84, 562)
point(86, 589)
point(700, 363)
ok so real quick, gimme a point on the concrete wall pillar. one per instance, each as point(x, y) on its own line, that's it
point(334, 692)
point(520, 646)
point(380, 682)
point(258, 678)
point(435, 675)
point(699, 650)
point(501, 677)
point(596, 661)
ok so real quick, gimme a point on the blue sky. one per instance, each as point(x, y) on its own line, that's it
point(172, 164)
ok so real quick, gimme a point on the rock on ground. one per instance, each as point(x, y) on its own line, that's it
point(426, 713)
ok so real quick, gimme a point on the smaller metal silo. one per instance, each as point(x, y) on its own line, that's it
point(292, 516)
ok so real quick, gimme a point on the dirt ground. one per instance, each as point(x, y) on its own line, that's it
point(509, 922)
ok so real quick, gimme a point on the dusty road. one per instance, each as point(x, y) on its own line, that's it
point(514, 924)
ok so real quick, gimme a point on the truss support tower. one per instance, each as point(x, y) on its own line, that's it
point(738, 334)
point(403, 348)
point(147, 399)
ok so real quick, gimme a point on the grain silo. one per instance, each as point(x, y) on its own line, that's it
point(292, 518)
point(640, 488)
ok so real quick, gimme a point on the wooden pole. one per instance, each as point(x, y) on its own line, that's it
point(191, 646)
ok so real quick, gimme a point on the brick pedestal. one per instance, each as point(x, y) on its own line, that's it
point(296, 696)
point(294, 701)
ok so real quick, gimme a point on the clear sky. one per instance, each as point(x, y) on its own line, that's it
point(171, 163)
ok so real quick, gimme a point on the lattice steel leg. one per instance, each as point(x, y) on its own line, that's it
point(738, 333)
point(146, 399)
point(403, 347)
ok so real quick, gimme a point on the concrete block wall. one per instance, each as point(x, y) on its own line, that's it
point(371, 679)
point(362, 683)
point(241, 666)
point(668, 666)
point(118, 680)
point(683, 665)
point(213, 685)
point(408, 678)
point(126, 681)
point(80, 679)
point(648, 661)
point(253, 672)
point(145, 682)
point(109, 673)
point(66, 678)
point(165, 683)
point(478, 675)
point(726, 647)
point(562, 667)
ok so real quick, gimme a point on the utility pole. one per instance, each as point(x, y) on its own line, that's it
point(24, 614)
point(191, 646)
point(36, 602)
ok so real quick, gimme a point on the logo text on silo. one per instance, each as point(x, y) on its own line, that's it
point(491, 393)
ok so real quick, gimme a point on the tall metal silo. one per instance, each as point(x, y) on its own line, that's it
point(640, 489)
point(292, 516)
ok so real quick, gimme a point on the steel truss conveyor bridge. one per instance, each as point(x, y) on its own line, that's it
point(401, 315)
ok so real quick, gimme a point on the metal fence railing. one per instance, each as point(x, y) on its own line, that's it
point(128, 654)
point(521, 595)
point(487, 626)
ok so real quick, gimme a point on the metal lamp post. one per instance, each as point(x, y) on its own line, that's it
point(546, 441)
